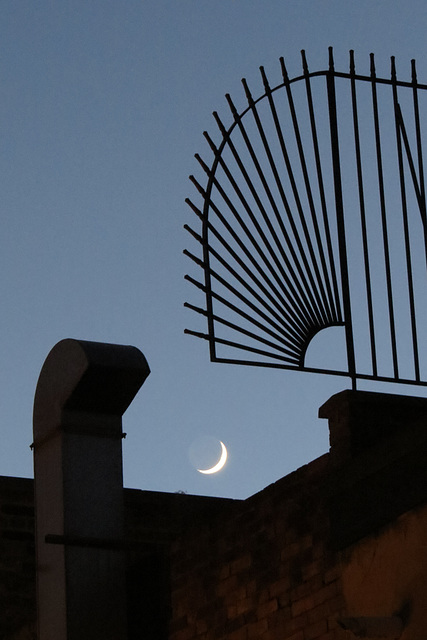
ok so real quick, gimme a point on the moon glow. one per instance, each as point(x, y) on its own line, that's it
point(221, 462)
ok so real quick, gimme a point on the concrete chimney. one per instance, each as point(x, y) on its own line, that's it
point(82, 392)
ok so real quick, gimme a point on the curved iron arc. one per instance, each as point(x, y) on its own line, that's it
point(282, 263)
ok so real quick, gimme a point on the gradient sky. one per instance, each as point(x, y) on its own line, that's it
point(103, 107)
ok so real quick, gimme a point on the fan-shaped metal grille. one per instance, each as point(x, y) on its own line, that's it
point(314, 215)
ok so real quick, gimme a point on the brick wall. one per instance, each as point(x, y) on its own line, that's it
point(263, 569)
point(343, 536)
point(152, 520)
point(17, 560)
point(291, 562)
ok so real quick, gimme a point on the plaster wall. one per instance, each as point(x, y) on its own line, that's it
point(386, 574)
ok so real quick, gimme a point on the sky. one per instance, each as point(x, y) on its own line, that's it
point(103, 106)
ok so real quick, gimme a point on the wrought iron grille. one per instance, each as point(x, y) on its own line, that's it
point(314, 216)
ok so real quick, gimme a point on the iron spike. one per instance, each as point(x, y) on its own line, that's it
point(195, 209)
point(203, 312)
point(393, 68)
point(247, 92)
point(231, 105)
point(199, 285)
point(352, 65)
point(202, 163)
point(414, 71)
point(194, 258)
point(284, 70)
point(219, 122)
point(210, 142)
point(331, 59)
point(264, 79)
point(304, 62)
point(197, 334)
point(195, 235)
point(198, 186)
point(372, 59)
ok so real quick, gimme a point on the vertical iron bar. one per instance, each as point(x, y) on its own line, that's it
point(292, 251)
point(293, 283)
point(334, 297)
point(363, 215)
point(422, 197)
point(328, 317)
point(405, 223)
point(384, 219)
point(339, 205)
point(208, 282)
point(315, 308)
point(307, 188)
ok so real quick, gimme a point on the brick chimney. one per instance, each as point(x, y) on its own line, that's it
point(82, 392)
point(378, 455)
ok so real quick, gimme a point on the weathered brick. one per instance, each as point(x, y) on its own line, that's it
point(232, 611)
point(279, 619)
point(201, 627)
point(239, 634)
point(179, 623)
point(334, 618)
point(184, 634)
point(284, 600)
point(241, 563)
point(266, 608)
point(251, 587)
point(224, 572)
point(332, 574)
point(245, 605)
point(235, 625)
point(294, 624)
point(313, 600)
point(318, 551)
point(296, 636)
point(226, 586)
point(331, 635)
point(311, 569)
point(306, 588)
point(302, 605)
point(257, 628)
point(263, 595)
point(291, 550)
point(315, 630)
point(273, 634)
point(337, 605)
point(320, 612)
point(279, 587)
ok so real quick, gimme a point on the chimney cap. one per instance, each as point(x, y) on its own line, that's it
point(91, 377)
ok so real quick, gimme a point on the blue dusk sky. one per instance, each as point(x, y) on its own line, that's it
point(103, 106)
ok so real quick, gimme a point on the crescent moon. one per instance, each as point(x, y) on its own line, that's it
point(221, 462)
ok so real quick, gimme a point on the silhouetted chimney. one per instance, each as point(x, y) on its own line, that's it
point(83, 390)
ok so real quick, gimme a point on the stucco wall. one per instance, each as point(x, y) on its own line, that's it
point(386, 574)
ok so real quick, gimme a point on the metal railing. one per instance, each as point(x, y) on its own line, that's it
point(314, 216)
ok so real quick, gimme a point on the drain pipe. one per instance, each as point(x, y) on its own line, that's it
point(82, 392)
